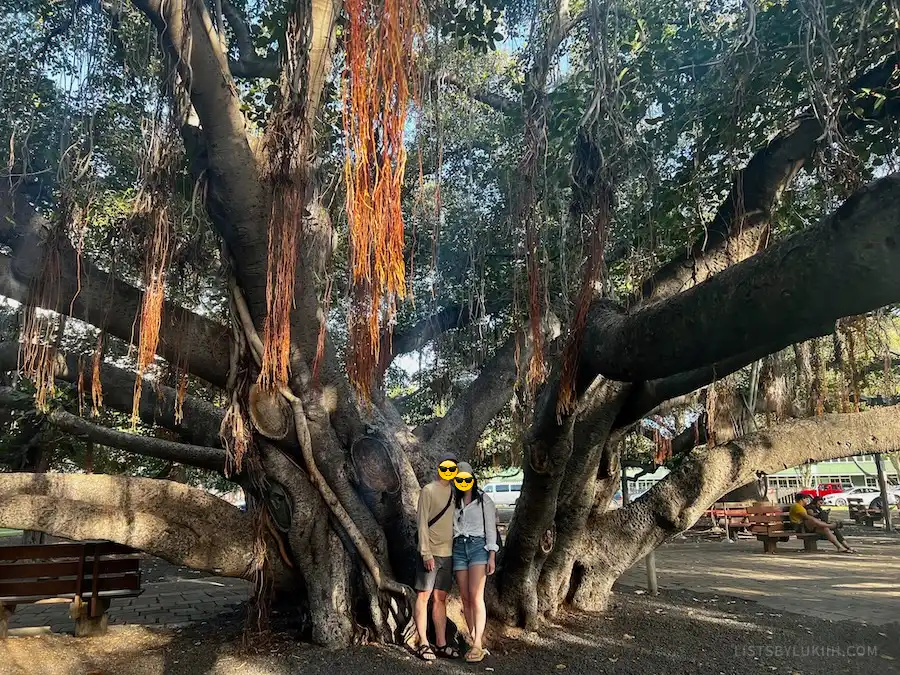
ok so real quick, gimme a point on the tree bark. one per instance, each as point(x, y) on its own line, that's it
point(92, 295)
point(212, 459)
point(181, 524)
point(621, 537)
point(843, 266)
point(740, 227)
point(198, 426)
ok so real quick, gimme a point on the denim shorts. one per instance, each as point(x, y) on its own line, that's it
point(468, 551)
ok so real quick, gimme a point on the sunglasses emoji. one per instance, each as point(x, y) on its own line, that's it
point(447, 470)
point(464, 481)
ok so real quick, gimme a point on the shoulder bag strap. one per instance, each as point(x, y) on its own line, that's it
point(443, 511)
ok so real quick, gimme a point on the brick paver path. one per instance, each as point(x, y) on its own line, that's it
point(170, 603)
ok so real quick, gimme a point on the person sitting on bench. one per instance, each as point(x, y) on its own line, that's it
point(804, 522)
point(816, 510)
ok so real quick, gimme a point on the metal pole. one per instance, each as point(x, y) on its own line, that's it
point(882, 483)
point(650, 559)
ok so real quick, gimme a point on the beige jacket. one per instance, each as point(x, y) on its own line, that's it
point(437, 540)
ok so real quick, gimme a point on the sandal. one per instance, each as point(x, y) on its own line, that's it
point(425, 652)
point(476, 655)
point(447, 652)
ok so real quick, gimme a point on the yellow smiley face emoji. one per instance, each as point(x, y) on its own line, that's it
point(447, 469)
point(464, 481)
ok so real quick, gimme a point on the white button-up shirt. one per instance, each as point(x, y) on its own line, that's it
point(476, 516)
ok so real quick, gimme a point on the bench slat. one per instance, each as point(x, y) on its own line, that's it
point(28, 599)
point(74, 550)
point(766, 518)
point(66, 568)
point(55, 587)
point(765, 509)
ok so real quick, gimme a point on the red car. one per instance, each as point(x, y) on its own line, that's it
point(822, 489)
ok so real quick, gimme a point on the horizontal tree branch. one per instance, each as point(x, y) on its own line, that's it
point(200, 421)
point(738, 229)
point(212, 459)
point(498, 102)
point(793, 291)
point(92, 295)
point(649, 395)
point(175, 522)
point(618, 538)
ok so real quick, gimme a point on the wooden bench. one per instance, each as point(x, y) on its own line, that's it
point(771, 524)
point(857, 510)
point(730, 515)
point(89, 574)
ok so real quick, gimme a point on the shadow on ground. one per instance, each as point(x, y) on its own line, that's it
point(677, 632)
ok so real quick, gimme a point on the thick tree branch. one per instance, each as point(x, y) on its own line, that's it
point(236, 201)
point(738, 230)
point(793, 291)
point(178, 523)
point(200, 422)
point(325, 14)
point(620, 537)
point(653, 393)
point(421, 333)
point(212, 459)
point(90, 294)
point(249, 64)
point(459, 430)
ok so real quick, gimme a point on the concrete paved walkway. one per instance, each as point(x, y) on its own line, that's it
point(863, 588)
point(170, 603)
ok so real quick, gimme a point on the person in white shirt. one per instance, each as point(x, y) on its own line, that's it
point(475, 549)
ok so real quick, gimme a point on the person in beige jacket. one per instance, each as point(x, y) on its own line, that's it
point(434, 567)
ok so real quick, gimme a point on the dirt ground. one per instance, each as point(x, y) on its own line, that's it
point(676, 632)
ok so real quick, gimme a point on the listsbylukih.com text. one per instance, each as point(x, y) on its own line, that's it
point(806, 651)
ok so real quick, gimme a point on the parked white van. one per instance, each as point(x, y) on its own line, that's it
point(504, 494)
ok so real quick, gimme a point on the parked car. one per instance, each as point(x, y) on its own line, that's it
point(867, 494)
point(823, 489)
point(504, 494)
point(893, 497)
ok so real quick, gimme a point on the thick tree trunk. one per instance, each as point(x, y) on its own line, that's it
point(590, 480)
point(549, 463)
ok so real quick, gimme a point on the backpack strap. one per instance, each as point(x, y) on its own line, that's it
point(443, 511)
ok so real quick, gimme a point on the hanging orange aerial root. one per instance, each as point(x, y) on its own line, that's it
point(284, 229)
point(663, 448)
point(156, 262)
point(377, 92)
point(96, 384)
point(285, 172)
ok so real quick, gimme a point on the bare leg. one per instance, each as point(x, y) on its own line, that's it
point(829, 535)
point(462, 582)
point(421, 614)
point(477, 578)
point(439, 616)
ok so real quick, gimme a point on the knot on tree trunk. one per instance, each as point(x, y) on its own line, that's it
point(270, 413)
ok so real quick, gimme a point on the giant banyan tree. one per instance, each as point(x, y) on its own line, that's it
point(634, 209)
